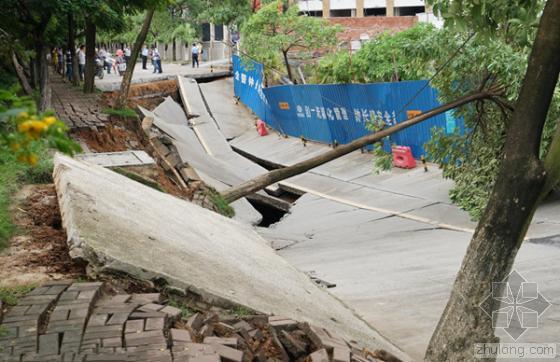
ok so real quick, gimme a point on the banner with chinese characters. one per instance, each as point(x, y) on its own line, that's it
point(248, 86)
point(341, 112)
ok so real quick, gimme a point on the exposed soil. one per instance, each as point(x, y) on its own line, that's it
point(118, 135)
point(114, 137)
point(147, 95)
point(39, 251)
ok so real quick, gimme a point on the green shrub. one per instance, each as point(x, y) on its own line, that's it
point(221, 205)
point(121, 112)
point(11, 295)
point(13, 175)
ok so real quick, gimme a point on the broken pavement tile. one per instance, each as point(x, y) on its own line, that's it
point(319, 356)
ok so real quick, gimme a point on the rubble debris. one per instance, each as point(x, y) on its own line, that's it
point(65, 321)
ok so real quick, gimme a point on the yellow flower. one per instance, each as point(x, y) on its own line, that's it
point(49, 120)
point(32, 159)
point(22, 158)
point(14, 146)
point(38, 126)
point(25, 126)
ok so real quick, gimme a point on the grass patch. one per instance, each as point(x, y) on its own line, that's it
point(221, 205)
point(241, 311)
point(11, 295)
point(121, 112)
point(186, 312)
point(13, 175)
point(82, 279)
point(138, 178)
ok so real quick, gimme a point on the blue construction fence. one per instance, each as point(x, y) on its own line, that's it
point(340, 112)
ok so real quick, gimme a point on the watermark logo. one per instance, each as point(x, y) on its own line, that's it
point(514, 350)
point(515, 305)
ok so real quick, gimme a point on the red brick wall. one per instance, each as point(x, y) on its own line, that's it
point(372, 25)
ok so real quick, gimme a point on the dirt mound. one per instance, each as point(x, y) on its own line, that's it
point(39, 251)
point(147, 95)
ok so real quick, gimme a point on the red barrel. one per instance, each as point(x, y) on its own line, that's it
point(402, 157)
point(261, 128)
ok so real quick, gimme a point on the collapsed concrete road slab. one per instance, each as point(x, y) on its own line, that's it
point(118, 159)
point(115, 223)
point(170, 118)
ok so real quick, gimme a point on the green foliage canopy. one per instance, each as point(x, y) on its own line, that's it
point(471, 160)
point(269, 34)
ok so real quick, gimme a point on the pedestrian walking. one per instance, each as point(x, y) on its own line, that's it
point(60, 56)
point(69, 57)
point(145, 53)
point(82, 62)
point(55, 59)
point(127, 54)
point(120, 62)
point(156, 60)
point(195, 55)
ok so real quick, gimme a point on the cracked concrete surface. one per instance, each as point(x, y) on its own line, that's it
point(393, 242)
point(118, 224)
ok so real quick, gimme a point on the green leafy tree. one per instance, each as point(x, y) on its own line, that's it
point(22, 127)
point(527, 158)
point(27, 22)
point(396, 56)
point(462, 63)
point(269, 35)
point(228, 12)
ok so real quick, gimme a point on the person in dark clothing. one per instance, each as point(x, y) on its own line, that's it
point(82, 61)
point(60, 68)
point(156, 59)
point(195, 51)
point(69, 56)
point(145, 54)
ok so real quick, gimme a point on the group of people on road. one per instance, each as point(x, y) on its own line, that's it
point(152, 53)
point(118, 64)
point(63, 61)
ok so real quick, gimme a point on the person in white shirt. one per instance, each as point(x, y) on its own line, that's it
point(127, 53)
point(145, 53)
point(81, 62)
point(156, 59)
point(195, 52)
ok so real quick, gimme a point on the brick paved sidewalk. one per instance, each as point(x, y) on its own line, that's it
point(79, 322)
point(76, 109)
point(60, 321)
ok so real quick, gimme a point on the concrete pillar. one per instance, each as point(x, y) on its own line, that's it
point(359, 8)
point(390, 7)
point(211, 48)
point(227, 43)
point(326, 8)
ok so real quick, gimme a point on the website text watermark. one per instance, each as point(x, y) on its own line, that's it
point(515, 350)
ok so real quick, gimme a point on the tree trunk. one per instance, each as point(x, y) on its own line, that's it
point(89, 77)
point(72, 47)
point(34, 72)
point(21, 75)
point(127, 78)
point(271, 177)
point(174, 49)
point(288, 69)
point(43, 74)
point(521, 179)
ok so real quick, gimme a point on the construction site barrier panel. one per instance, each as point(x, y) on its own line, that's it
point(340, 113)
